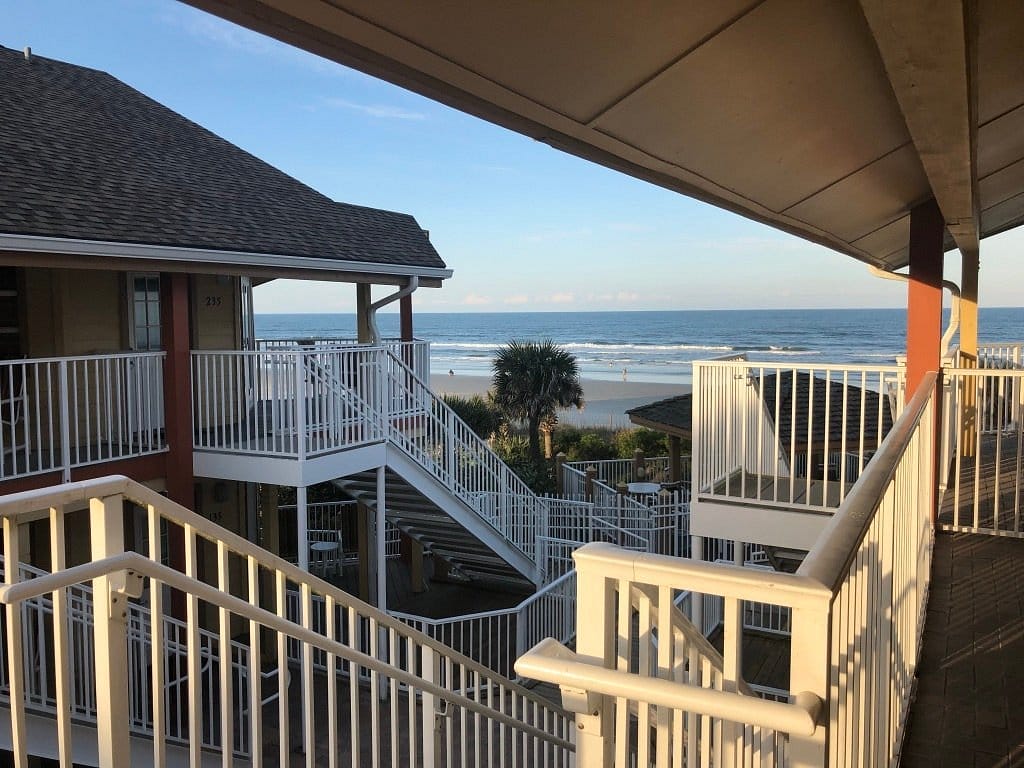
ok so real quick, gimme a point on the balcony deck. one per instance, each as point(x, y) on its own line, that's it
point(969, 709)
point(755, 488)
point(990, 481)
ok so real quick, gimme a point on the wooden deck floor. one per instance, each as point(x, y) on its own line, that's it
point(986, 491)
point(969, 709)
point(751, 487)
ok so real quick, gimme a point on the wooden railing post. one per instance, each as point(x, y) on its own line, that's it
point(639, 466)
point(588, 483)
point(110, 607)
point(560, 473)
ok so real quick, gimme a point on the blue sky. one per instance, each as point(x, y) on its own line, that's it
point(525, 227)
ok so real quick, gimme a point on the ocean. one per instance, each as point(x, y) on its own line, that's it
point(652, 347)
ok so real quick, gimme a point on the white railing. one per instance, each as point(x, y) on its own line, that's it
point(286, 403)
point(497, 638)
point(857, 608)
point(1006, 355)
point(982, 460)
point(390, 694)
point(789, 436)
point(300, 404)
point(64, 412)
point(39, 679)
point(415, 354)
point(660, 521)
point(612, 472)
point(336, 521)
point(434, 436)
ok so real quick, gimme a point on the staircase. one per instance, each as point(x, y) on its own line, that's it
point(445, 487)
point(358, 686)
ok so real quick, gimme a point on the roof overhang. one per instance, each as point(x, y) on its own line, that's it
point(30, 250)
point(828, 120)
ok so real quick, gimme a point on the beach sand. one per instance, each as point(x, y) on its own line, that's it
point(606, 401)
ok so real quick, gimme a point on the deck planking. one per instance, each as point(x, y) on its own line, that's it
point(969, 706)
point(985, 490)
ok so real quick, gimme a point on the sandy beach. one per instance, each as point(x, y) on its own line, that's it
point(606, 401)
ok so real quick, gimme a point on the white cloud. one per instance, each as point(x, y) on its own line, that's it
point(476, 300)
point(519, 298)
point(627, 296)
point(224, 34)
point(562, 298)
point(383, 111)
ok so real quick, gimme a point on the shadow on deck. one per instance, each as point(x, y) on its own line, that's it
point(984, 491)
point(969, 708)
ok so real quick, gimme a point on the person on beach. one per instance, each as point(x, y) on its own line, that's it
point(451, 372)
point(624, 373)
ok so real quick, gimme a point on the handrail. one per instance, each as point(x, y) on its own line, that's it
point(551, 661)
point(729, 581)
point(32, 501)
point(509, 482)
point(139, 565)
point(830, 558)
point(123, 355)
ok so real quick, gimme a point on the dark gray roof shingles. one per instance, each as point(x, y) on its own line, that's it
point(84, 156)
point(862, 406)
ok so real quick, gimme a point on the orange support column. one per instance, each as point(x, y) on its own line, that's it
point(924, 311)
point(924, 294)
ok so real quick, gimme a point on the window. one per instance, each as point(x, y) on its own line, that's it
point(144, 294)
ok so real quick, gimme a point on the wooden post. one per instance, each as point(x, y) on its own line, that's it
point(176, 334)
point(363, 301)
point(419, 584)
point(365, 551)
point(405, 317)
point(675, 462)
point(588, 483)
point(639, 466)
point(560, 473)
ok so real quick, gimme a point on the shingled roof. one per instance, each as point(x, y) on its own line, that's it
point(674, 415)
point(85, 156)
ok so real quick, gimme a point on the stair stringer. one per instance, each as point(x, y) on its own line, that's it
point(434, 491)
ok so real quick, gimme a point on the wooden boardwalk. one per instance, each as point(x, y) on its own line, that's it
point(969, 708)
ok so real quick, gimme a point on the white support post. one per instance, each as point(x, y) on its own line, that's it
point(595, 643)
point(302, 433)
point(697, 599)
point(106, 519)
point(379, 541)
point(809, 651)
point(302, 521)
point(429, 725)
point(15, 647)
point(65, 422)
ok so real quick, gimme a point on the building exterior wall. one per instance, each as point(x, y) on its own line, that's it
point(216, 312)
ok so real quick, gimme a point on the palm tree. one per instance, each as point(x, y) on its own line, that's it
point(533, 379)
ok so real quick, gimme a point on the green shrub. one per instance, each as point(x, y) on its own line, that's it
point(479, 413)
point(592, 447)
point(647, 440)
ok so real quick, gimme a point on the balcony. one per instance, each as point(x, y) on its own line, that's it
point(780, 447)
point(63, 413)
point(286, 413)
